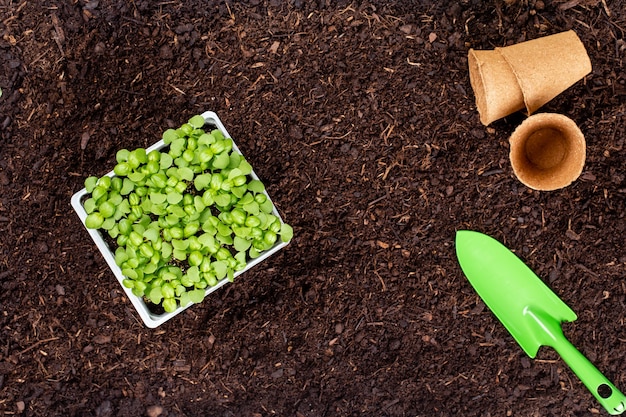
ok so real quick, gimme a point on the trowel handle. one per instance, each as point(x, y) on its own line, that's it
point(613, 401)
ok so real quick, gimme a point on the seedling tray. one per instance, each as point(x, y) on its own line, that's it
point(151, 319)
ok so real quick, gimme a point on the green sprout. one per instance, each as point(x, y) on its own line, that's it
point(184, 217)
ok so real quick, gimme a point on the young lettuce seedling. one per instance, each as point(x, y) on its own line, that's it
point(184, 217)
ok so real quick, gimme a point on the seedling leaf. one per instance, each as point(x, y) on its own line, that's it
point(196, 296)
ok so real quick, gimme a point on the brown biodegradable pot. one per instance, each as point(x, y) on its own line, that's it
point(547, 151)
point(526, 75)
point(496, 89)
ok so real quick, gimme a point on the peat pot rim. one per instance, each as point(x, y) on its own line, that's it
point(547, 151)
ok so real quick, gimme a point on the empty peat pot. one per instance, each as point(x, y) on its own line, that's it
point(525, 75)
point(547, 151)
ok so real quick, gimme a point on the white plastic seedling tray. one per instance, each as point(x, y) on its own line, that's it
point(151, 319)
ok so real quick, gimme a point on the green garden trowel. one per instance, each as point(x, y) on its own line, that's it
point(529, 310)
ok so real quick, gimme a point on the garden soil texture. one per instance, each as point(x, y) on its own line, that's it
point(360, 119)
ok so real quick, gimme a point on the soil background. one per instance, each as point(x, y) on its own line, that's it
point(360, 119)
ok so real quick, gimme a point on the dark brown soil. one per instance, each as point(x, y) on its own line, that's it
point(361, 121)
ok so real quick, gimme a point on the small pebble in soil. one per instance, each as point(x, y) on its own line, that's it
point(105, 409)
point(154, 411)
point(99, 48)
point(84, 139)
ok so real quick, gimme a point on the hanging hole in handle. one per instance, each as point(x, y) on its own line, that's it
point(604, 391)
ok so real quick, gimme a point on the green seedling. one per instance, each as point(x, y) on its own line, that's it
point(184, 217)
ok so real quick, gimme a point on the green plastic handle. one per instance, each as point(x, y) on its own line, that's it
point(613, 401)
point(544, 325)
